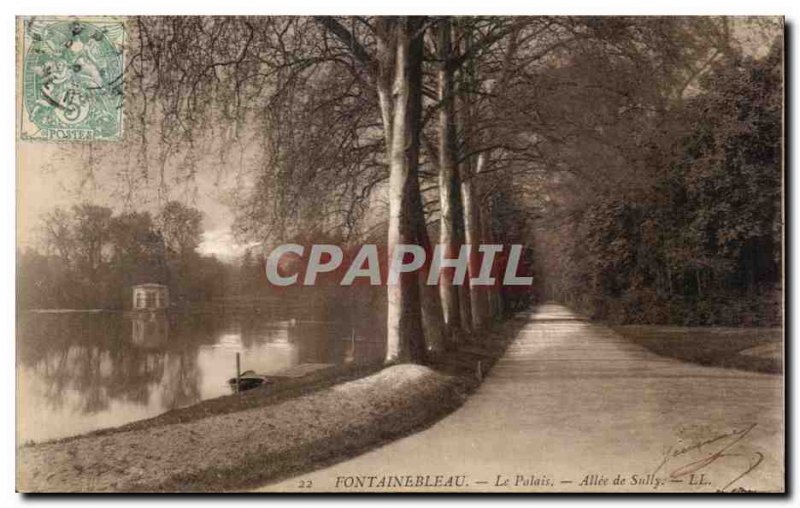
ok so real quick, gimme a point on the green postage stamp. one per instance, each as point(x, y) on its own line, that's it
point(72, 79)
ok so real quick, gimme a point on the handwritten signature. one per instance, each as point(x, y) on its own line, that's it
point(722, 445)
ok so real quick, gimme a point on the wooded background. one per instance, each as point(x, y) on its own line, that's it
point(638, 158)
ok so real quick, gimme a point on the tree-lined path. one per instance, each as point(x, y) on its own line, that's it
point(573, 402)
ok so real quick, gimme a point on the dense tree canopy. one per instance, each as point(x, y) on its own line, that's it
point(89, 258)
point(638, 159)
point(694, 235)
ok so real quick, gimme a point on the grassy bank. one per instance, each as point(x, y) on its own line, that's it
point(752, 349)
point(282, 389)
point(241, 441)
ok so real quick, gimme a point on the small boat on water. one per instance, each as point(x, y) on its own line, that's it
point(248, 380)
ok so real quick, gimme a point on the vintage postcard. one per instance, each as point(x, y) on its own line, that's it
point(429, 254)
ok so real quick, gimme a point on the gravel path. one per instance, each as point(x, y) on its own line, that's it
point(573, 406)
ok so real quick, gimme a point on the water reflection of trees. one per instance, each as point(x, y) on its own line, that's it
point(181, 385)
point(104, 358)
point(97, 375)
point(88, 362)
point(326, 318)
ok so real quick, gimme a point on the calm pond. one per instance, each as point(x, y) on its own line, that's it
point(79, 371)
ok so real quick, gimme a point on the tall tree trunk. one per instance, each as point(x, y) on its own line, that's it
point(430, 300)
point(470, 197)
point(463, 171)
point(487, 236)
point(448, 182)
point(465, 307)
point(478, 296)
point(436, 336)
point(405, 341)
point(486, 301)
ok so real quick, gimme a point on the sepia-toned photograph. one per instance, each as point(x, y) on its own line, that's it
point(400, 254)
